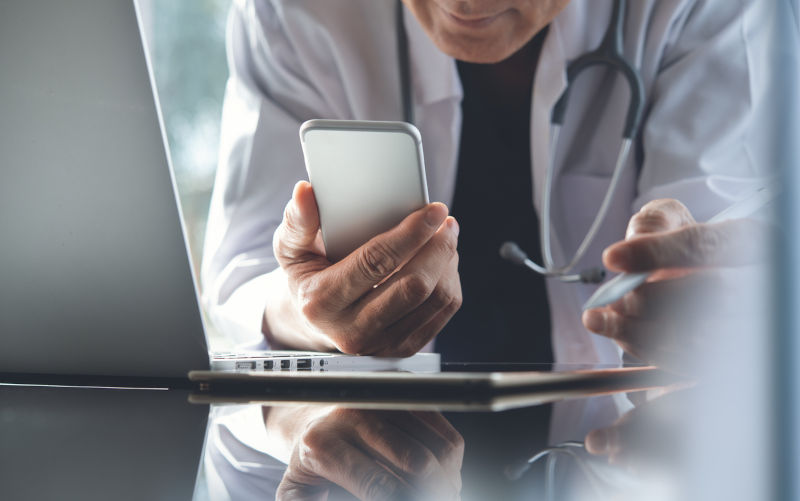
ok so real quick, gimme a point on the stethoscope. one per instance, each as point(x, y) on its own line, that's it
point(609, 54)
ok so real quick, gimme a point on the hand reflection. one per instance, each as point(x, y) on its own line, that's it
point(374, 455)
point(649, 437)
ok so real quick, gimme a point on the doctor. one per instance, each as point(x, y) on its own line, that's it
point(484, 77)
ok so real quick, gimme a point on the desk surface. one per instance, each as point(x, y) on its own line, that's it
point(93, 443)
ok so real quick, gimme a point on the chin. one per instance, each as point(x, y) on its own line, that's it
point(478, 51)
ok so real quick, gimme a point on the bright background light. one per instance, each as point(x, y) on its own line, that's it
point(187, 49)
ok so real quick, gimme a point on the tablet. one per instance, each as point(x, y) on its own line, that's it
point(449, 391)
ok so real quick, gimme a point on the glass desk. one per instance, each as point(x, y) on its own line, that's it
point(105, 443)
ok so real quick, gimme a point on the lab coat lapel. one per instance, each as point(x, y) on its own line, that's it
point(437, 95)
point(570, 35)
point(550, 81)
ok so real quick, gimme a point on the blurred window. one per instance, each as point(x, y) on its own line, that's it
point(186, 40)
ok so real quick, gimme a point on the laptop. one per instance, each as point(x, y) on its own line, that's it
point(95, 275)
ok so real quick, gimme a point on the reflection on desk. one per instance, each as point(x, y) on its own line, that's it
point(98, 444)
point(81, 443)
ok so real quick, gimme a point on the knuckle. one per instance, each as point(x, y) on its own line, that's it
point(377, 260)
point(352, 345)
point(679, 211)
point(310, 305)
point(648, 220)
point(362, 331)
point(415, 288)
point(378, 485)
point(289, 227)
point(614, 325)
point(452, 451)
point(441, 298)
point(664, 204)
point(415, 461)
point(288, 217)
point(455, 305)
point(315, 443)
point(449, 245)
point(458, 444)
point(309, 308)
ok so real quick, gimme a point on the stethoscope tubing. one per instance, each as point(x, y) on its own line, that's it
point(609, 54)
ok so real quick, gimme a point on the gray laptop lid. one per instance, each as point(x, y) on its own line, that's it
point(94, 272)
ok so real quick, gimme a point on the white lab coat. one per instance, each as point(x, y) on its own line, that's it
point(704, 138)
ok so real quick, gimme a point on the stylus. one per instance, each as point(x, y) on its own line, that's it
point(623, 283)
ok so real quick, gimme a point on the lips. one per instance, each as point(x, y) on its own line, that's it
point(473, 22)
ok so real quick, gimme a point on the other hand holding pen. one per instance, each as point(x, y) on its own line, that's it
point(706, 281)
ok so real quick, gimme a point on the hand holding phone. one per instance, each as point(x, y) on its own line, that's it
point(388, 297)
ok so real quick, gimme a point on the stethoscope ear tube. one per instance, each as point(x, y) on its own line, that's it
point(635, 106)
point(609, 53)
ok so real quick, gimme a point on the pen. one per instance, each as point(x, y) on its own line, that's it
point(623, 283)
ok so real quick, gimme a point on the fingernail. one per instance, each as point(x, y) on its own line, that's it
point(595, 320)
point(453, 226)
point(297, 186)
point(435, 215)
point(597, 441)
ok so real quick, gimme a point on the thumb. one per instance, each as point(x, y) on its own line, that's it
point(298, 234)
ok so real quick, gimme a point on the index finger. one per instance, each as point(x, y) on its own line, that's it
point(730, 243)
point(373, 262)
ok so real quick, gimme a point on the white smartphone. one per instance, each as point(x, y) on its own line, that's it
point(366, 176)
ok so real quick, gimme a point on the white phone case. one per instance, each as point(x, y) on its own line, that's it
point(367, 177)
